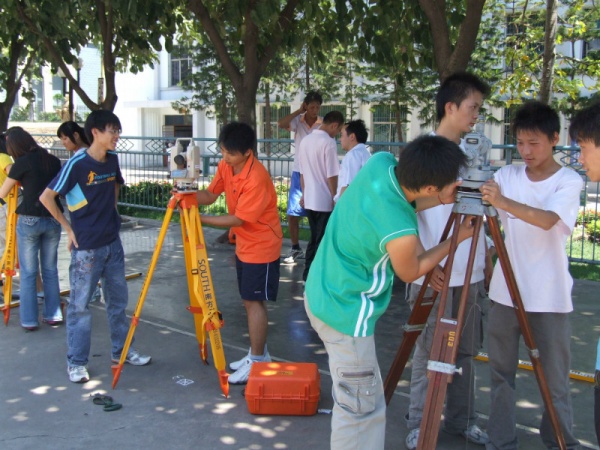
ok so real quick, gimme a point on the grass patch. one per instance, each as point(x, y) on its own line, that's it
point(583, 271)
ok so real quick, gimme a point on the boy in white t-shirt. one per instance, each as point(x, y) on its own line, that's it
point(353, 138)
point(585, 130)
point(537, 203)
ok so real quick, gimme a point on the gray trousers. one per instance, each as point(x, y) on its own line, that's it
point(552, 335)
point(358, 416)
point(460, 409)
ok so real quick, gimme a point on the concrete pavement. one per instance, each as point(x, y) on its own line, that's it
point(176, 402)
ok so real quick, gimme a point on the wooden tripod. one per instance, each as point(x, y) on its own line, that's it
point(441, 366)
point(203, 303)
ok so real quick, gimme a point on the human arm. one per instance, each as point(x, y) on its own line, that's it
point(48, 199)
point(302, 189)
point(410, 262)
point(332, 184)
point(205, 197)
point(541, 218)
point(225, 221)
point(286, 121)
point(8, 184)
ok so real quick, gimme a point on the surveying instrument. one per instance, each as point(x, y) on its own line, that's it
point(184, 167)
point(9, 259)
point(441, 366)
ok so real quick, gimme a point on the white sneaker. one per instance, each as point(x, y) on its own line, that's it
point(134, 358)
point(241, 375)
point(476, 435)
point(412, 439)
point(240, 362)
point(78, 374)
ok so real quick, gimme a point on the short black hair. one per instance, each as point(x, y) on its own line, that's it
point(456, 88)
point(536, 116)
point(359, 129)
point(313, 96)
point(585, 125)
point(333, 117)
point(430, 161)
point(237, 137)
point(100, 119)
point(3, 142)
point(69, 128)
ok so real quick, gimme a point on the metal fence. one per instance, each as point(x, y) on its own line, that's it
point(144, 163)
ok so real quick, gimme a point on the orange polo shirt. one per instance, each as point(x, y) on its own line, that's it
point(251, 197)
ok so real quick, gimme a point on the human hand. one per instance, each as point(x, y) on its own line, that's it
point(437, 279)
point(302, 201)
point(466, 228)
point(71, 240)
point(491, 193)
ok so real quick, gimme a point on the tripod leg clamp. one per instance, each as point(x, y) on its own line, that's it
point(411, 328)
point(437, 366)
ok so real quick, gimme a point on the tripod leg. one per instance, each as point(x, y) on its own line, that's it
point(441, 366)
point(203, 303)
point(534, 353)
point(116, 369)
point(412, 329)
point(9, 259)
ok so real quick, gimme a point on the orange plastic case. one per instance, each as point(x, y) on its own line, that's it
point(286, 389)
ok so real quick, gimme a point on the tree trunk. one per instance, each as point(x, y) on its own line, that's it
point(268, 128)
point(549, 51)
point(246, 105)
point(452, 57)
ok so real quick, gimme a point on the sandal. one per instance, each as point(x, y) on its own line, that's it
point(106, 401)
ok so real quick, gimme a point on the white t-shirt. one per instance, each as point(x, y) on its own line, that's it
point(432, 222)
point(351, 164)
point(301, 129)
point(538, 257)
point(318, 161)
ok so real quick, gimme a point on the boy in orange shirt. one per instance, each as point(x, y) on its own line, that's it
point(252, 206)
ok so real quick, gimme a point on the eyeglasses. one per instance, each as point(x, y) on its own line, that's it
point(113, 131)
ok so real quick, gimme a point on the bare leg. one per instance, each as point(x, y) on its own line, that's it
point(257, 325)
point(294, 228)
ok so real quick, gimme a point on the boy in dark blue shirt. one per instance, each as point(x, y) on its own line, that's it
point(90, 182)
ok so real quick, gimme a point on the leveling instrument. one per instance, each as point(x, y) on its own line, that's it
point(203, 303)
point(441, 366)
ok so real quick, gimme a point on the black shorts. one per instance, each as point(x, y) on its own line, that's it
point(258, 281)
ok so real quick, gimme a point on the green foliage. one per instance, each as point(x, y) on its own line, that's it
point(147, 193)
point(521, 49)
point(48, 117)
point(587, 216)
point(592, 230)
point(20, 114)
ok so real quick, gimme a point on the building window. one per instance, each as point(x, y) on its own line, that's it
point(591, 47)
point(277, 133)
point(181, 65)
point(385, 128)
point(510, 154)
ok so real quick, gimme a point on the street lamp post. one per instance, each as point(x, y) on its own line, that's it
point(77, 65)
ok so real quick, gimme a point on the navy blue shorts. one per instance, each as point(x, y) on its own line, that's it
point(258, 281)
point(294, 196)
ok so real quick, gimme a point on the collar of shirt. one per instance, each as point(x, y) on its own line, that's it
point(317, 123)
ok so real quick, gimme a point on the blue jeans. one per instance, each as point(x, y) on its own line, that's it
point(37, 243)
point(105, 264)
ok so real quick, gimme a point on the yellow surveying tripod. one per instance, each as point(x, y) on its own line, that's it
point(8, 263)
point(203, 304)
